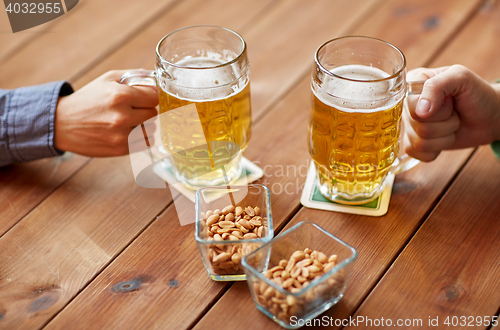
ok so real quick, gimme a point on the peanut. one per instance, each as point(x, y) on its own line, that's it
point(233, 223)
point(293, 275)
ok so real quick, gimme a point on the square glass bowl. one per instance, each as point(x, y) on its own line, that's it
point(232, 235)
point(286, 307)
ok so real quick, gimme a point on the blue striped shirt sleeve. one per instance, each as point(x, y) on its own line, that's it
point(27, 117)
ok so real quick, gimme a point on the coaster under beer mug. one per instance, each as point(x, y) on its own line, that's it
point(312, 198)
point(164, 170)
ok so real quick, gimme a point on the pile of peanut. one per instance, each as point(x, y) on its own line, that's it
point(233, 224)
point(293, 275)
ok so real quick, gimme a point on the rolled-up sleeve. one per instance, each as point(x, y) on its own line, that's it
point(27, 119)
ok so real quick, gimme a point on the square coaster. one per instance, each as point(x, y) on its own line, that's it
point(164, 170)
point(312, 198)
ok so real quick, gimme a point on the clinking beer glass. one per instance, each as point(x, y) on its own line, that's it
point(355, 125)
point(203, 79)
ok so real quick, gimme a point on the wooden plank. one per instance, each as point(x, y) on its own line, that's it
point(79, 42)
point(196, 296)
point(68, 46)
point(59, 247)
point(415, 193)
point(25, 185)
point(450, 267)
point(49, 256)
point(287, 33)
point(447, 284)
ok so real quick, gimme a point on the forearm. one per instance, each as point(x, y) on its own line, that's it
point(27, 122)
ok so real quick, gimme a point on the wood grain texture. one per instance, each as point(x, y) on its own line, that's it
point(92, 30)
point(87, 307)
point(23, 186)
point(287, 33)
point(58, 248)
point(450, 267)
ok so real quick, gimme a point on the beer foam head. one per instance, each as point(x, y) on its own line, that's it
point(357, 87)
point(205, 83)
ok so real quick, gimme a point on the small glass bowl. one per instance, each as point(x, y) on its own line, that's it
point(230, 252)
point(290, 309)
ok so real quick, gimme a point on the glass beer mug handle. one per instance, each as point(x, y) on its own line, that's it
point(139, 78)
point(404, 162)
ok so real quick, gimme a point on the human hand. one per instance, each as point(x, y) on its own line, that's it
point(456, 109)
point(96, 120)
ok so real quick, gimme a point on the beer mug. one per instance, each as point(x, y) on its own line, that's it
point(203, 79)
point(355, 124)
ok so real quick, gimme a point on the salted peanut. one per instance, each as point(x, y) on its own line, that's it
point(290, 300)
point(226, 265)
point(296, 271)
point(269, 292)
point(283, 263)
point(257, 210)
point(298, 256)
point(305, 272)
point(318, 264)
point(304, 263)
point(301, 279)
point(237, 233)
point(241, 228)
point(294, 290)
point(249, 211)
point(268, 274)
point(290, 265)
point(221, 217)
point(260, 231)
point(313, 269)
point(218, 237)
point(245, 224)
point(229, 217)
point(276, 268)
point(236, 258)
point(228, 209)
point(285, 274)
point(256, 223)
point(233, 238)
point(225, 236)
point(217, 211)
point(238, 211)
point(212, 219)
point(328, 267)
point(208, 214)
point(277, 273)
point(232, 249)
point(223, 257)
point(226, 224)
point(322, 258)
point(211, 254)
point(214, 229)
point(223, 230)
point(307, 250)
point(333, 258)
point(306, 283)
point(288, 283)
point(262, 300)
point(249, 236)
point(278, 280)
point(247, 217)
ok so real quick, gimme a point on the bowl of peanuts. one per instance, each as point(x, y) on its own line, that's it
point(299, 274)
point(231, 222)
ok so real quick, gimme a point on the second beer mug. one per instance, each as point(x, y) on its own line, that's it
point(203, 79)
point(358, 86)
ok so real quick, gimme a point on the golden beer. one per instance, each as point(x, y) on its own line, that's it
point(354, 138)
point(223, 113)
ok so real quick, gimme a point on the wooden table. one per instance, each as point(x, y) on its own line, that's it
point(73, 228)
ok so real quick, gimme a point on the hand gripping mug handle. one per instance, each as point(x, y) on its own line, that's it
point(404, 162)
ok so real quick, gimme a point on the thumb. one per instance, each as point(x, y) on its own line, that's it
point(449, 82)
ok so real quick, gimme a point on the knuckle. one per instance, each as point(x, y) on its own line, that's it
point(118, 97)
point(420, 145)
point(424, 131)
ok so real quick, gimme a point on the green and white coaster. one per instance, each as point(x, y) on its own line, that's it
point(164, 170)
point(312, 198)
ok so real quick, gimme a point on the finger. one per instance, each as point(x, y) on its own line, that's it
point(141, 96)
point(421, 74)
point(447, 83)
point(431, 145)
point(430, 130)
point(113, 75)
point(423, 156)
